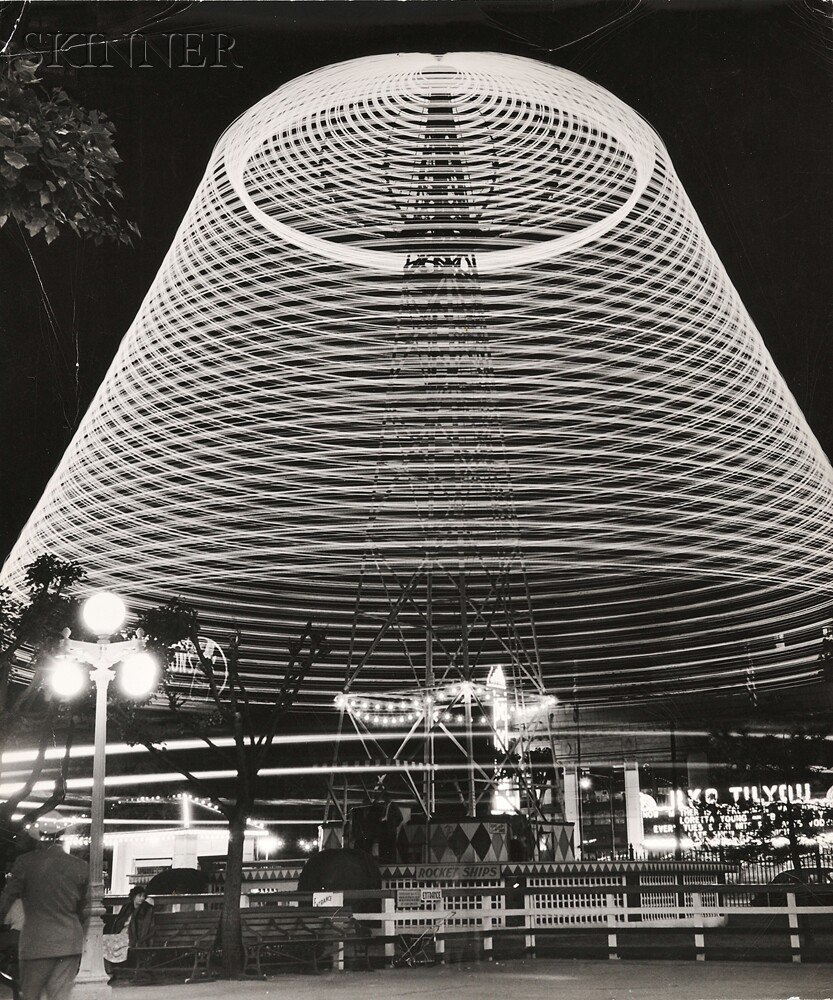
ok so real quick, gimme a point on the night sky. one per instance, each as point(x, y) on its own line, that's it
point(741, 94)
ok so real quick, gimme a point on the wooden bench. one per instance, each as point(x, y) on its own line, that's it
point(292, 936)
point(181, 942)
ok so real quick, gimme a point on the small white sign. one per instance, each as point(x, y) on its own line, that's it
point(431, 895)
point(328, 899)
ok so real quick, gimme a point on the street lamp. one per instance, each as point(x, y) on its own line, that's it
point(75, 665)
point(586, 783)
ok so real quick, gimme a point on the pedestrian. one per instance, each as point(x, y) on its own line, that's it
point(54, 888)
point(131, 928)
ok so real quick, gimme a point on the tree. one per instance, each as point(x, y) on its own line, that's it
point(253, 726)
point(777, 758)
point(58, 166)
point(33, 624)
point(57, 162)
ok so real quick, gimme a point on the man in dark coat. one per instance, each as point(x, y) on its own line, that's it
point(54, 889)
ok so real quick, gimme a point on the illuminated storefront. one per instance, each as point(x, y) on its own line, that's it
point(737, 816)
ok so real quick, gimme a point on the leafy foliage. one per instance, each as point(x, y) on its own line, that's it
point(57, 162)
point(34, 622)
point(38, 618)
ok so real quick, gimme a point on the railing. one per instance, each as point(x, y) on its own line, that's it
point(684, 920)
point(144, 875)
point(739, 868)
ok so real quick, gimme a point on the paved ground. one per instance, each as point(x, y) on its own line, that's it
point(538, 979)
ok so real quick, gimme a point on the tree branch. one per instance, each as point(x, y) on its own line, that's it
point(197, 783)
point(13, 801)
point(296, 669)
point(207, 670)
point(59, 792)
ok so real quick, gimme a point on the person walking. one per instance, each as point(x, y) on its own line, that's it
point(54, 888)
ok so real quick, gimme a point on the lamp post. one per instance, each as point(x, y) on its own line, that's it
point(586, 783)
point(103, 613)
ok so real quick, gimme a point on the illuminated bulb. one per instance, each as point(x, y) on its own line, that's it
point(139, 674)
point(67, 678)
point(270, 844)
point(104, 613)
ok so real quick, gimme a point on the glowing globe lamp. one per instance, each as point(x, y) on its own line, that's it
point(138, 674)
point(67, 678)
point(104, 613)
point(269, 844)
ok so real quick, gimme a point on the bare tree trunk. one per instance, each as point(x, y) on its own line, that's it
point(231, 938)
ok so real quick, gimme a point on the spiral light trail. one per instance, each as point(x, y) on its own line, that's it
point(548, 376)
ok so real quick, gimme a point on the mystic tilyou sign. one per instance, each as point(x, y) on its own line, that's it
point(446, 333)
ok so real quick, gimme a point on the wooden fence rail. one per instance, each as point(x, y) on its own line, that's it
point(766, 921)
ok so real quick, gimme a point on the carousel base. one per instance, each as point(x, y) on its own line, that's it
point(640, 875)
point(465, 841)
point(472, 841)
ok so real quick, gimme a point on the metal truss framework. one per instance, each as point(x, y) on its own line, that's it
point(454, 313)
point(474, 710)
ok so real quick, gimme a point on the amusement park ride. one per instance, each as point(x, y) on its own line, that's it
point(470, 704)
point(442, 358)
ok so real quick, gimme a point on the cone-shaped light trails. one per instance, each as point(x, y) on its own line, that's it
point(454, 315)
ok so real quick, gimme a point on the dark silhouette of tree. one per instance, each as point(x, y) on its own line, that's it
point(252, 724)
point(30, 628)
point(57, 162)
point(58, 166)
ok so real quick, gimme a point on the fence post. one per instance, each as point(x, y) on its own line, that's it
point(699, 937)
point(612, 940)
point(795, 937)
point(529, 924)
point(390, 930)
point(439, 940)
point(487, 928)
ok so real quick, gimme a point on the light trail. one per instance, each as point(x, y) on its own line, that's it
point(127, 780)
point(29, 754)
point(639, 461)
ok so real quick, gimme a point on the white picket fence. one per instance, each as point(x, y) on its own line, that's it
point(691, 911)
